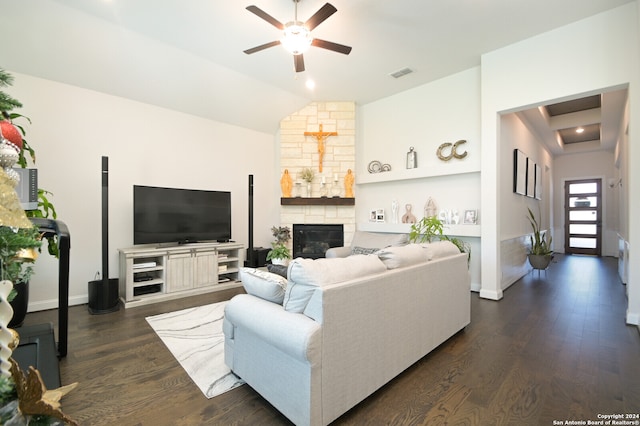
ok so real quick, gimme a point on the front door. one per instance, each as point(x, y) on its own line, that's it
point(583, 217)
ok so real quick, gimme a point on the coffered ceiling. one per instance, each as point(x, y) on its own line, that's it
point(188, 55)
point(586, 123)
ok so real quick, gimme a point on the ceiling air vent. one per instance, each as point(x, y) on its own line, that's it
point(401, 73)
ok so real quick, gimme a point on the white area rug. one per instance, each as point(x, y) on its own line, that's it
point(194, 336)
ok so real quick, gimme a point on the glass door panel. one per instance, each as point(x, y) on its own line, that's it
point(582, 229)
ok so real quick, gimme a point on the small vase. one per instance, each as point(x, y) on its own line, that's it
point(309, 190)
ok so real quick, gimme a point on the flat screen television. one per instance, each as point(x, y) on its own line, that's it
point(172, 215)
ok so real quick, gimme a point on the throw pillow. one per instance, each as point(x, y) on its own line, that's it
point(363, 250)
point(277, 269)
point(402, 256)
point(306, 275)
point(263, 284)
point(438, 249)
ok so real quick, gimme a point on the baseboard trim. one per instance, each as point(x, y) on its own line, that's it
point(45, 305)
point(491, 294)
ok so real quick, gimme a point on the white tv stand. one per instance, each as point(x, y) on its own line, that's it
point(153, 273)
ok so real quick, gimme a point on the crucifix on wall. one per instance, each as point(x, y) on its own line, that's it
point(320, 136)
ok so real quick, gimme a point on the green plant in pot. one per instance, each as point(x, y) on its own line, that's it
point(429, 228)
point(18, 249)
point(280, 253)
point(540, 253)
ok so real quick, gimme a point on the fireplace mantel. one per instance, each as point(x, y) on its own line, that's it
point(318, 201)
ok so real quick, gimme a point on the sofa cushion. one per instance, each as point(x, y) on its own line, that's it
point(377, 240)
point(263, 284)
point(364, 250)
point(402, 256)
point(438, 249)
point(277, 269)
point(305, 275)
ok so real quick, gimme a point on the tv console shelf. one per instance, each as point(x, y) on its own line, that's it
point(154, 273)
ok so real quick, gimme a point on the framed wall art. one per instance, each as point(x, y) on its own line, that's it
point(531, 177)
point(538, 187)
point(519, 172)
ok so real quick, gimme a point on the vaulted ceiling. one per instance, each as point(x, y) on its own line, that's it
point(188, 55)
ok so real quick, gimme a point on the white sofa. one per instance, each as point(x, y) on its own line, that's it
point(344, 326)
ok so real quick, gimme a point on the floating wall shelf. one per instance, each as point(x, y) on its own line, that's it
point(320, 201)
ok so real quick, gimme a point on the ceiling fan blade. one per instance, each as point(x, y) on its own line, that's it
point(318, 18)
point(264, 15)
point(298, 62)
point(262, 47)
point(329, 45)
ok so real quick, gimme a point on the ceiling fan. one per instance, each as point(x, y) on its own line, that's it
point(297, 35)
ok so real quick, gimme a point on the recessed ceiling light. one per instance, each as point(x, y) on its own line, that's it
point(580, 130)
point(310, 84)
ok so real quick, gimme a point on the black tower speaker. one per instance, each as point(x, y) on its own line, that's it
point(256, 256)
point(251, 261)
point(103, 294)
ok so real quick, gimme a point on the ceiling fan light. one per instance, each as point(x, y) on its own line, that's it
point(296, 39)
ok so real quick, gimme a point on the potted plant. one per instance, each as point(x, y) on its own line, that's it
point(307, 175)
point(540, 253)
point(279, 253)
point(428, 228)
point(425, 230)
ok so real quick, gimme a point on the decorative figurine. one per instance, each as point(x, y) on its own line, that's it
point(430, 209)
point(348, 184)
point(408, 217)
point(394, 211)
point(286, 184)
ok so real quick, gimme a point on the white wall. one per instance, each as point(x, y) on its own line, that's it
point(445, 110)
point(515, 135)
point(553, 69)
point(73, 128)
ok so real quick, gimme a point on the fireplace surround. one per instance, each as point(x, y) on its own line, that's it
point(313, 240)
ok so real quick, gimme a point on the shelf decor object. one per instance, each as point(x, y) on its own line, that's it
point(412, 158)
point(286, 183)
point(349, 179)
point(454, 150)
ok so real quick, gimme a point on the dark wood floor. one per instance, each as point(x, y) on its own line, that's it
point(554, 348)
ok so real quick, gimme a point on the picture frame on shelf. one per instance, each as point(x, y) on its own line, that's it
point(470, 217)
point(380, 215)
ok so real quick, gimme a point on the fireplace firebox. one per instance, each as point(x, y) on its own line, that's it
point(312, 241)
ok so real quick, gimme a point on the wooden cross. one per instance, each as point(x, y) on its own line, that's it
point(320, 136)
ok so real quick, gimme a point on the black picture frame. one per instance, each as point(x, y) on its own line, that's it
point(519, 172)
point(531, 178)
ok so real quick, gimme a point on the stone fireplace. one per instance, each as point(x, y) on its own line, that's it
point(312, 241)
point(298, 151)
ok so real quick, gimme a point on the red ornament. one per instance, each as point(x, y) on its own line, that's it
point(11, 133)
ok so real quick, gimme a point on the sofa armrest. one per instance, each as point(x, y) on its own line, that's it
point(338, 252)
point(292, 333)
